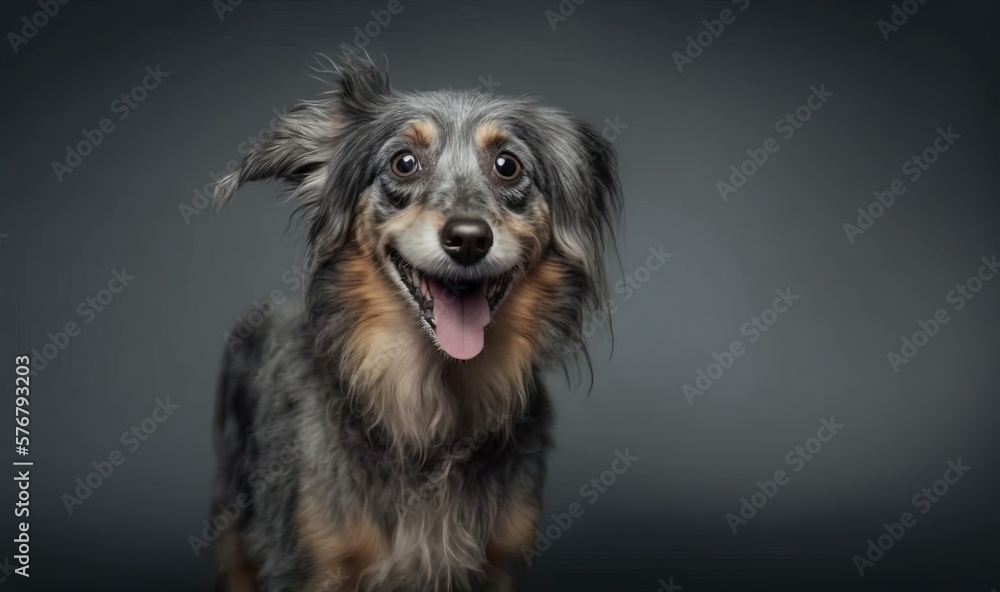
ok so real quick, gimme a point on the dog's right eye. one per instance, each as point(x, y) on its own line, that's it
point(405, 164)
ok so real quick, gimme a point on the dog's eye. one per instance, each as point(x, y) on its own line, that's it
point(404, 164)
point(507, 167)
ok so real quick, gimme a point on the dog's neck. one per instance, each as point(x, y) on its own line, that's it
point(423, 401)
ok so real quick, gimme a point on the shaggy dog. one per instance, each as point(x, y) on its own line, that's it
point(392, 435)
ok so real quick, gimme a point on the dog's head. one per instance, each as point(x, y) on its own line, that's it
point(476, 208)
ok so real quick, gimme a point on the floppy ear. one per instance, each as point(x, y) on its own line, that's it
point(305, 148)
point(579, 177)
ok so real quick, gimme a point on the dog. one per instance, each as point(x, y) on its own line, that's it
point(392, 434)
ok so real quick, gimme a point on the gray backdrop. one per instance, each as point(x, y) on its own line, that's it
point(679, 124)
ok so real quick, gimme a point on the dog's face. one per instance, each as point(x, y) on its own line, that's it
point(458, 199)
point(454, 214)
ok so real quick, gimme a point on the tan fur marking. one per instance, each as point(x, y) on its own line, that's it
point(235, 569)
point(340, 554)
point(365, 285)
point(526, 304)
point(422, 132)
point(532, 233)
point(488, 136)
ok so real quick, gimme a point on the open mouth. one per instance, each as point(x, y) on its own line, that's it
point(456, 310)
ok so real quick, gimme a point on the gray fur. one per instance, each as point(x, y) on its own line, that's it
point(286, 387)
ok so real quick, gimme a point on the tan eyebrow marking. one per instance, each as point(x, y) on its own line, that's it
point(489, 135)
point(422, 132)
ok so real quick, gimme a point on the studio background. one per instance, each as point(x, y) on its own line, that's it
point(664, 521)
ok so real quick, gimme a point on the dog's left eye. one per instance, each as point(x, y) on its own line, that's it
point(507, 167)
point(404, 164)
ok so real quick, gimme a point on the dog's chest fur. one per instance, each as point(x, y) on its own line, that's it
point(367, 516)
point(444, 523)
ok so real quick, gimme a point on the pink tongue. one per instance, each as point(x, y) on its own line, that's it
point(460, 320)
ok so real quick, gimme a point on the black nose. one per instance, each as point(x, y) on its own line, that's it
point(467, 241)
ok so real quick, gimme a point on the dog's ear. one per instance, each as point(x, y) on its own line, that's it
point(296, 145)
point(305, 145)
point(579, 177)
